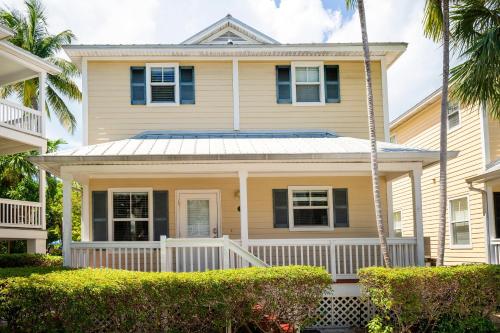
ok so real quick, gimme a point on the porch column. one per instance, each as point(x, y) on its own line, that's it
point(85, 232)
point(67, 222)
point(41, 173)
point(418, 227)
point(243, 175)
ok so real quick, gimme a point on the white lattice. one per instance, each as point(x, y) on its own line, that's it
point(335, 312)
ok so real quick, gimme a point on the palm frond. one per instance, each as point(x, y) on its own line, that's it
point(351, 4)
point(57, 105)
point(65, 86)
point(53, 145)
point(433, 20)
point(68, 68)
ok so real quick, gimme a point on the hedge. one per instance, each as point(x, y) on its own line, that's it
point(27, 271)
point(427, 299)
point(29, 259)
point(92, 300)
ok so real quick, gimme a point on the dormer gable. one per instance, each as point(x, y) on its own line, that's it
point(229, 31)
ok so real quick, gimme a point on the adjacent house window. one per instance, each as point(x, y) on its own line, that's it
point(453, 115)
point(396, 222)
point(307, 83)
point(310, 207)
point(130, 216)
point(163, 84)
point(393, 139)
point(459, 221)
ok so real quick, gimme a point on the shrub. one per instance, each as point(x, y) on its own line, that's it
point(29, 259)
point(92, 300)
point(423, 298)
point(26, 271)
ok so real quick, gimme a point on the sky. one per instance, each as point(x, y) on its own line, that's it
point(415, 75)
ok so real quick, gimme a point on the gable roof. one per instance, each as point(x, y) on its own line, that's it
point(239, 31)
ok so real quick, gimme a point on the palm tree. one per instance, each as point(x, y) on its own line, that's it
point(437, 27)
point(371, 126)
point(30, 33)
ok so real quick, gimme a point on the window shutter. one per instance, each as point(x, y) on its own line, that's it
point(187, 84)
point(99, 216)
point(283, 85)
point(340, 208)
point(280, 208)
point(137, 85)
point(160, 214)
point(332, 84)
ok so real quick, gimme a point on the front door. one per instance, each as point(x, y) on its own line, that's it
point(198, 214)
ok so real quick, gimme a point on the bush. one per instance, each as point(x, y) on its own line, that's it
point(92, 300)
point(26, 271)
point(29, 259)
point(425, 298)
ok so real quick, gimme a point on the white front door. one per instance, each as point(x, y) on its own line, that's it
point(198, 214)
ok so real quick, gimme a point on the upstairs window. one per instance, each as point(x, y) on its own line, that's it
point(163, 84)
point(307, 83)
point(453, 115)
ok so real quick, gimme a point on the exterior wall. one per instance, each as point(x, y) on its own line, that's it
point(494, 138)
point(112, 117)
point(260, 207)
point(422, 130)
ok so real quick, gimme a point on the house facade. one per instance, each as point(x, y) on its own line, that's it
point(22, 129)
point(473, 210)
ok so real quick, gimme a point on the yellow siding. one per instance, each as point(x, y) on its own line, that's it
point(361, 211)
point(422, 130)
point(494, 136)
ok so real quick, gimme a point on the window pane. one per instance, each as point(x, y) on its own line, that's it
point(122, 231)
point(453, 120)
point(198, 218)
point(319, 198)
point(460, 232)
point(307, 93)
point(459, 210)
point(186, 74)
point(140, 205)
point(452, 108)
point(141, 231)
point(138, 93)
point(332, 74)
point(137, 75)
point(398, 233)
point(284, 91)
point(168, 74)
point(163, 94)
point(121, 205)
point(187, 92)
point(301, 74)
point(310, 217)
point(332, 91)
point(284, 74)
point(312, 74)
point(396, 217)
point(156, 74)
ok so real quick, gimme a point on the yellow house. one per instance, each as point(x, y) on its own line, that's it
point(22, 129)
point(473, 210)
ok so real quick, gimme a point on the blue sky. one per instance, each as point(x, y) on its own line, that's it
point(411, 78)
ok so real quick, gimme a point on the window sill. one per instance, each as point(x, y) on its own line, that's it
point(163, 104)
point(461, 247)
point(308, 103)
point(311, 229)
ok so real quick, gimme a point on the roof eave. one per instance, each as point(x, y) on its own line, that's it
point(431, 98)
point(34, 62)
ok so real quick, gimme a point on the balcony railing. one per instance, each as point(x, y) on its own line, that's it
point(495, 251)
point(20, 214)
point(20, 118)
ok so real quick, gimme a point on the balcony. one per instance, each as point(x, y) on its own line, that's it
point(20, 118)
point(20, 214)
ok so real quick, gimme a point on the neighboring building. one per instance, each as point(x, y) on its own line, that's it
point(22, 129)
point(473, 214)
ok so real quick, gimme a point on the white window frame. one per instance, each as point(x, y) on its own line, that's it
point(175, 84)
point(448, 119)
point(111, 222)
point(393, 139)
point(450, 223)
point(321, 66)
point(400, 211)
point(292, 227)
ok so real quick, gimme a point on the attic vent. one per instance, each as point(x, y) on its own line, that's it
point(229, 36)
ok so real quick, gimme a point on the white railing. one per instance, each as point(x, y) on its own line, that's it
point(20, 117)
point(20, 214)
point(167, 255)
point(341, 257)
point(495, 251)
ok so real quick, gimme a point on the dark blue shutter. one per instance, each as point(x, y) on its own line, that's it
point(283, 85)
point(99, 215)
point(187, 84)
point(340, 208)
point(332, 84)
point(137, 85)
point(280, 208)
point(160, 214)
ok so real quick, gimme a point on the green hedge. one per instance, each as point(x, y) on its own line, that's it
point(427, 299)
point(121, 301)
point(27, 271)
point(29, 259)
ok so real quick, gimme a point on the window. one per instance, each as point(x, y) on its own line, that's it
point(130, 216)
point(392, 139)
point(307, 83)
point(453, 115)
point(340, 208)
point(283, 85)
point(396, 222)
point(310, 207)
point(459, 222)
point(163, 84)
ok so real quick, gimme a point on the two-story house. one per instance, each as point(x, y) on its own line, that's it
point(22, 129)
point(473, 184)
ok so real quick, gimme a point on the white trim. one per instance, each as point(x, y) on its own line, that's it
point(418, 225)
point(490, 231)
point(67, 228)
point(175, 65)
point(292, 227)
point(385, 99)
point(236, 95)
point(450, 229)
point(27, 59)
point(85, 102)
point(112, 190)
point(389, 207)
point(85, 213)
point(211, 39)
point(243, 178)
point(321, 69)
point(393, 227)
point(485, 135)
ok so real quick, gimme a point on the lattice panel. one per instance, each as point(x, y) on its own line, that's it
point(335, 312)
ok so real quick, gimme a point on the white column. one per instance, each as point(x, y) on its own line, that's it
point(85, 222)
point(41, 101)
point(390, 222)
point(243, 175)
point(385, 99)
point(67, 222)
point(489, 225)
point(418, 227)
point(37, 245)
point(236, 96)
point(85, 115)
point(41, 173)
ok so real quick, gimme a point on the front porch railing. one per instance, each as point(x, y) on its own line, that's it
point(20, 214)
point(495, 251)
point(20, 118)
point(341, 257)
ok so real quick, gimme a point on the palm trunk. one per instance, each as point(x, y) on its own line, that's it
point(444, 135)
point(373, 138)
